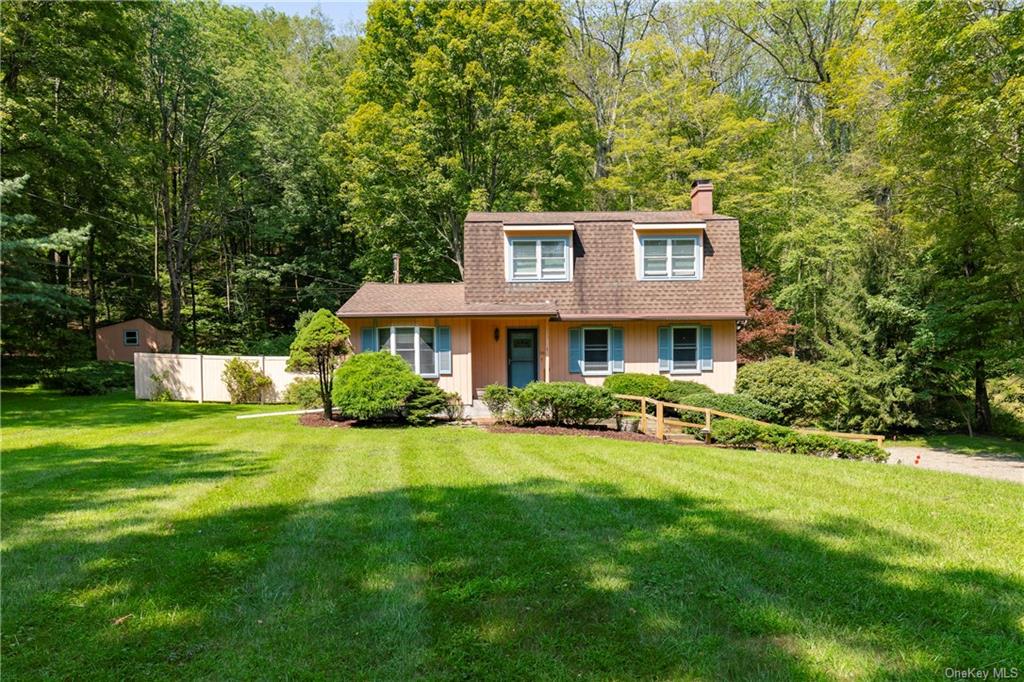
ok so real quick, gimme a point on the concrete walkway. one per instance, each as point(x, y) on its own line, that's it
point(1002, 467)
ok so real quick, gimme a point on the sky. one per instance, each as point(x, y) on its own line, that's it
point(347, 16)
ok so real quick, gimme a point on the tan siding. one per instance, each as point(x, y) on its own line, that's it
point(461, 379)
point(110, 340)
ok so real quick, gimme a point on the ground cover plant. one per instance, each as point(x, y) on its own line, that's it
point(170, 540)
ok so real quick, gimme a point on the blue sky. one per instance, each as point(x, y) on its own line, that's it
point(347, 16)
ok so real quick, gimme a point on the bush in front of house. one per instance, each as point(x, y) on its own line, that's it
point(304, 392)
point(245, 382)
point(803, 393)
point(743, 433)
point(629, 383)
point(498, 399)
point(741, 405)
point(91, 378)
point(374, 386)
point(564, 403)
point(680, 391)
point(428, 401)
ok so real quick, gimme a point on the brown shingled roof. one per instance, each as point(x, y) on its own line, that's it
point(559, 217)
point(375, 299)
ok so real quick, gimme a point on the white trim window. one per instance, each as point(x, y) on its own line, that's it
point(597, 350)
point(672, 258)
point(416, 345)
point(130, 337)
point(685, 350)
point(538, 259)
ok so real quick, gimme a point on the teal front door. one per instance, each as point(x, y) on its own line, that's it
point(522, 357)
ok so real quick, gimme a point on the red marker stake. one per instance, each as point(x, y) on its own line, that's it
point(917, 460)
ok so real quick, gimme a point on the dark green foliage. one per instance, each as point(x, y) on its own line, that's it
point(304, 392)
point(563, 402)
point(743, 405)
point(803, 393)
point(91, 378)
point(374, 386)
point(425, 402)
point(743, 433)
point(245, 382)
point(646, 385)
point(681, 391)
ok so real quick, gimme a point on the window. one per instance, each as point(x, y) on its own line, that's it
point(415, 345)
point(684, 349)
point(539, 260)
point(596, 350)
point(130, 337)
point(670, 258)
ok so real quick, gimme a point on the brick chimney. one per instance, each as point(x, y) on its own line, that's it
point(700, 197)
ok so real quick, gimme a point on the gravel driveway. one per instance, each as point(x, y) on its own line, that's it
point(1002, 467)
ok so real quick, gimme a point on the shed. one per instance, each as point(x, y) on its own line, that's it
point(121, 340)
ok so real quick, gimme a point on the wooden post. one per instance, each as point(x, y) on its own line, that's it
point(643, 415)
point(707, 426)
point(659, 411)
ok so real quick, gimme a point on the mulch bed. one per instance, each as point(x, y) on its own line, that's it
point(317, 419)
point(592, 432)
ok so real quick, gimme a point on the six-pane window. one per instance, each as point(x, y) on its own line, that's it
point(684, 348)
point(540, 259)
point(669, 257)
point(415, 345)
point(596, 351)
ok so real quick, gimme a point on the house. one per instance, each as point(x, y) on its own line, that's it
point(570, 297)
point(120, 341)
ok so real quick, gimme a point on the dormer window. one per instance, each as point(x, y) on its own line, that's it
point(539, 259)
point(672, 258)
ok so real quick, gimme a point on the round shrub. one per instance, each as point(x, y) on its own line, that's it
point(742, 405)
point(498, 399)
point(680, 391)
point(563, 402)
point(245, 382)
point(803, 393)
point(646, 385)
point(374, 386)
point(304, 392)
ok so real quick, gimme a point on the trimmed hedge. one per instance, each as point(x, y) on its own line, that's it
point(742, 405)
point(742, 433)
point(680, 391)
point(646, 385)
point(91, 378)
point(374, 386)
point(562, 402)
point(804, 393)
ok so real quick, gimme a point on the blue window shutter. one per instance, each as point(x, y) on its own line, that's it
point(705, 349)
point(664, 349)
point(444, 350)
point(618, 350)
point(575, 350)
point(369, 339)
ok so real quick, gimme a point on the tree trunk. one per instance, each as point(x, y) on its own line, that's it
point(982, 409)
point(90, 255)
point(323, 366)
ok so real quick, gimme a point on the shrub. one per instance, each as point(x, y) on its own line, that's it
point(425, 401)
point(498, 400)
point(245, 382)
point(681, 391)
point(91, 378)
point(374, 386)
point(743, 433)
point(319, 346)
point(564, 403)
point(742, 405)
point(803, 393)
point(304, 392)
point(161, 391)
point(646, 385)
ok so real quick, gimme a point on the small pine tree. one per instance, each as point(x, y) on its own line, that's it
point(319, 347)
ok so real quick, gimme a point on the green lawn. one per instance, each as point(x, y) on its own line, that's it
point(171, 540)
point(968, 445)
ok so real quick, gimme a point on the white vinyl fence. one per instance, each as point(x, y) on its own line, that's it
point(198, 377)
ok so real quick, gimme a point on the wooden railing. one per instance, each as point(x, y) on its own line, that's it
point(659, 421)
